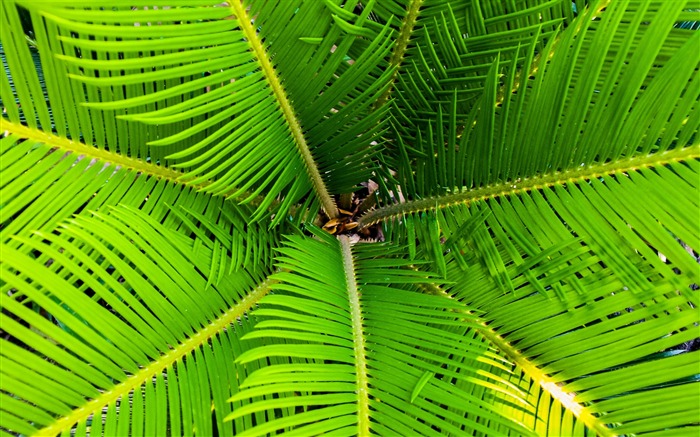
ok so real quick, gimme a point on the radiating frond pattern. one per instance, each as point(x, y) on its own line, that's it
point(169, 171)
point(610, 216)
point(208, 88)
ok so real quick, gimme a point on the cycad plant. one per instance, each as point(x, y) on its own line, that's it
point(343, 217)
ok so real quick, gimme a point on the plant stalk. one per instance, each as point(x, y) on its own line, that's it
point(268, 70)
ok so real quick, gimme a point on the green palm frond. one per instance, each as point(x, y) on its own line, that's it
point(151, 315)
point(210, 99)
point(583, 341)
point(543, 128)
point(529, 160)
point(563, 237)
point(442, 47)
point(396, 353)
point(35, 174)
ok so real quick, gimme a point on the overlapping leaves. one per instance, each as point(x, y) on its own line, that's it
point(115, 306)
point(387, 359)
point(208, 91)
point(572, 225)
point(543, 179)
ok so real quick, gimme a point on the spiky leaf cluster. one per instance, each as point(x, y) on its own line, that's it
point(400, 217)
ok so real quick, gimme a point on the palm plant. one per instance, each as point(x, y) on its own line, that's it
point(397, 217)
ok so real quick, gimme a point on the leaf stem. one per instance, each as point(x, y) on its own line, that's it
point(513, 188)
point(400, 48)
point(66, 145)
point(268, 70)
point(551, 387)
point(532, 371)
point(147, 373)
point(358, 338)
point(147, 169)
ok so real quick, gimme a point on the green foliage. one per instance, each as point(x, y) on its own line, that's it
point(400, 217)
